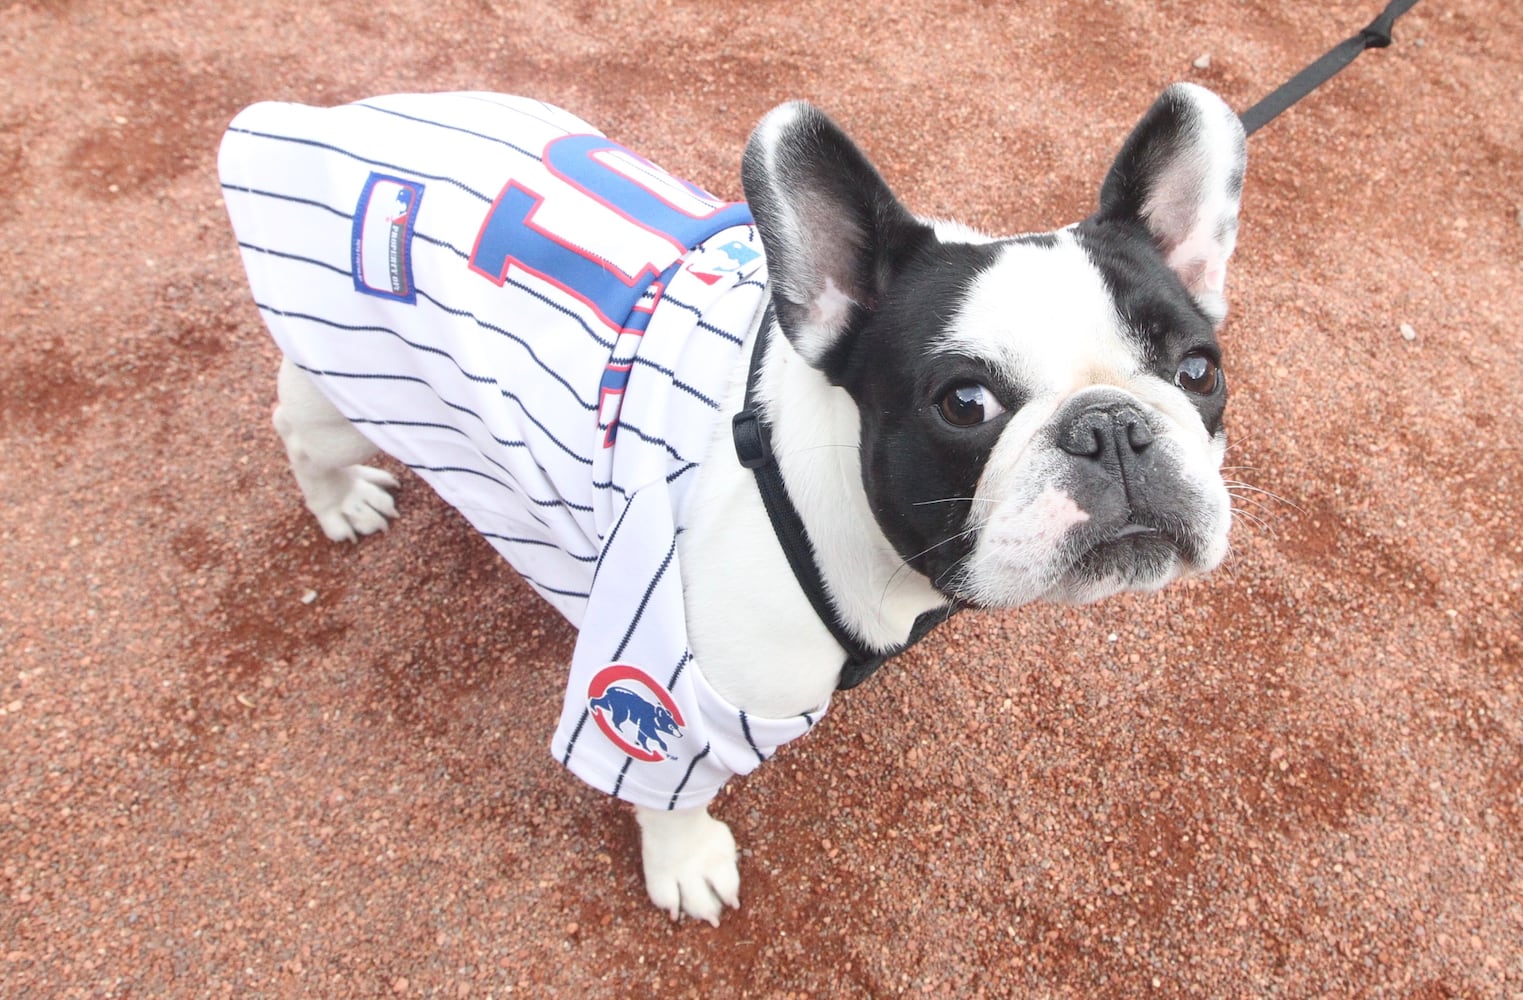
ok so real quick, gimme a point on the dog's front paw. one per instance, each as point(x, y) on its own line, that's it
point(689, 859)
point(359, 504)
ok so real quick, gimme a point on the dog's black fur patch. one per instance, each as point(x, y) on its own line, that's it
point(1154, 304)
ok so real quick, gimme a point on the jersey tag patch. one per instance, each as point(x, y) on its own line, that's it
point(383, 231)
point(637, 715)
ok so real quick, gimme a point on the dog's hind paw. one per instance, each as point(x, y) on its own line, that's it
point(361, 504)
point(690, 863)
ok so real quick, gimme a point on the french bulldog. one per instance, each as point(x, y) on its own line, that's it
point(559, 336)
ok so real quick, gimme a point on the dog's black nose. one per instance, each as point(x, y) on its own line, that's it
point(1113, 431)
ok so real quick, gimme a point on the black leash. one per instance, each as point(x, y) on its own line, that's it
point(753, 446)
point(1375, 35)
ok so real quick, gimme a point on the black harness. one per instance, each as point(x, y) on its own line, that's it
point(753, 446)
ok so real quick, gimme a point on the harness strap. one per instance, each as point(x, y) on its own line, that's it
point(753, 446)
point(1375, 35)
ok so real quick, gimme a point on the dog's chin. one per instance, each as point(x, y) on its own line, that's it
point(1135, 558)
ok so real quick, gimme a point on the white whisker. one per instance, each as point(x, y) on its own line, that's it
point(904, 564)
point(927, 503)
point(1257, 502)
point(1256, 521)
point(1236, 486)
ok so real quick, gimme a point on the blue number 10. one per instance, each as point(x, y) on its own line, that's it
point(609, 248)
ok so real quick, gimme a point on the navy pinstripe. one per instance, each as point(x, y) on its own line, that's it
point(482, 340)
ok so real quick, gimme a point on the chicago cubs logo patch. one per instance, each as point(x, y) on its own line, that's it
point(383, 231)
point(637, 715)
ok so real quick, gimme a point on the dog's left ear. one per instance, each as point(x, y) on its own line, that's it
point(1181, 174)
point(834, 233)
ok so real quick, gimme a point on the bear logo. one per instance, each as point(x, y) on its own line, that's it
point(634, 712)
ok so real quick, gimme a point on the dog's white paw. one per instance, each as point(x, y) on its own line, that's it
point(361, 503)
point(690, 862)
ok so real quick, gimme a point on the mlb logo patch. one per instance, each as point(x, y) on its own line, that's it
point(739, 256)
point(637, 715)
point(383, 231)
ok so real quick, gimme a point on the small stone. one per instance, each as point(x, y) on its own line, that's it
point(1407, 333)
point(309, 597)
point(1202, 61)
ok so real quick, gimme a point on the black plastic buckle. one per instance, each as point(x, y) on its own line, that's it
point(751, 444)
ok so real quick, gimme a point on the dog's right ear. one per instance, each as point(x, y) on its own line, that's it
point(834, 233)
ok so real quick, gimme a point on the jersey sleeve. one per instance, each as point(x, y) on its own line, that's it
point(639, 721)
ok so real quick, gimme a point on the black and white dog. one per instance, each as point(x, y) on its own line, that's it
point(957, 418)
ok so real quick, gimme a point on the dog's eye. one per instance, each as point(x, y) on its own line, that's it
point(1198, 374)
point(968, 404)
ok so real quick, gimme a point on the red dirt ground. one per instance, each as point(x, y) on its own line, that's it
point(236, 760)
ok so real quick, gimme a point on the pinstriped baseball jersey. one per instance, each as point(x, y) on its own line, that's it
point(542, 325)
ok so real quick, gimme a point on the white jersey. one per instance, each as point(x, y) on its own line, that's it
point(543, 326)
